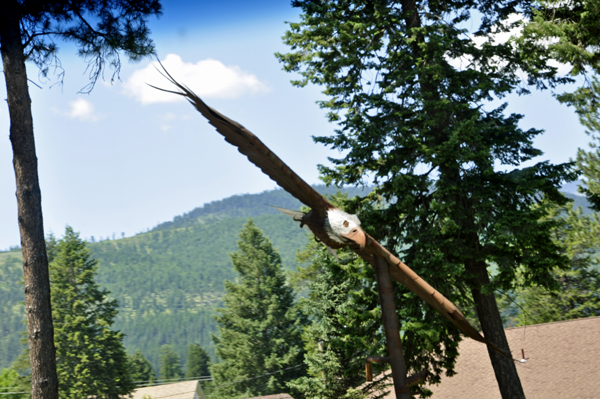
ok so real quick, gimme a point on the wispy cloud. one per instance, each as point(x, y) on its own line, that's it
point(207, 78)
point(515, 24)
point(82, 109)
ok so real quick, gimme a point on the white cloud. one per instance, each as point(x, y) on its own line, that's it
point(515, 24)
point(82, 109)
point(207, 78)
point(500, 37)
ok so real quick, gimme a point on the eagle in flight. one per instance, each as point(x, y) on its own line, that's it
point(330, 225)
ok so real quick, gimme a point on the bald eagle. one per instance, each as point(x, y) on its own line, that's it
point(330, 225)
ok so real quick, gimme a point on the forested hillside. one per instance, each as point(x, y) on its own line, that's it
point(246, 205)
point(169, 280)
point(12, 310)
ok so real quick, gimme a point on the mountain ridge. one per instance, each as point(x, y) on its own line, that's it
point(169, 280)
point(251, 205)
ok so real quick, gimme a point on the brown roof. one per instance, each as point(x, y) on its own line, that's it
point(563, 361)
point(178, 390)
point(185, 390)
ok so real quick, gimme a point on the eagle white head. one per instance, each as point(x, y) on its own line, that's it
point(343, 227)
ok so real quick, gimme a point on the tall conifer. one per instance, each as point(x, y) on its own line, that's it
point(90, 357)
point(411, 87)
point(29, 31)
point(578, 293)
point(259, 328)
point(141, 369)
point(198, 362)
point(345, 328)
point(170, 364)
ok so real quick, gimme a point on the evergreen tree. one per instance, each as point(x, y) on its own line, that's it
point(10, 383)
point(91, 359)
point(345, 328)
point(564, 32)
point(141, 369)
point(410, 88)
point(198, 362)
point(578, 294)
point(169, 363)
point(29, 31)
point(259, 339)
point(586, 100)
point(23, 368)
point(567, 32)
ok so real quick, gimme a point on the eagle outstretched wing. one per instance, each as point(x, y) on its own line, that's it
point(258, 153)
point(249, 145)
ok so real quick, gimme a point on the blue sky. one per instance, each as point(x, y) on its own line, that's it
point(123, 159)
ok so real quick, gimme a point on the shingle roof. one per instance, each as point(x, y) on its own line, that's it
point(178, 390)
point(563, 362)
point(185, 390)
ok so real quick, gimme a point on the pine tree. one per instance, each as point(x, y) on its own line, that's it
point(259, 339)
point(567, 32)
point(169, 363)
point(578, 293)
point(29, 31)
point(141, 369)
point(345, 328)
point(10, 382)
point(91, 359)
point(411, 88)
point(198, 362)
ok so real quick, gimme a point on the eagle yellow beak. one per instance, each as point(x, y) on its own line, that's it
point(358, 236)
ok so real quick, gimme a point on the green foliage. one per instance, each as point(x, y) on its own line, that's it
point(567, 32)
point(149, 332)
point(246, 206)
point(586, 100)
point(579, 286)
point(410, 89)
point(198, 362)
point(169, 281)
point(10, 382)
point(577, 297)
point(99, 29)
point(22, 366)
point(259, 327)
point(170, 364)
point(141, 369)
point(345, 328)
point(12, 308)
point(90, 357)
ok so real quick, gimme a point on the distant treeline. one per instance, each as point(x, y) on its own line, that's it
point(169, 280)
point(249, 205)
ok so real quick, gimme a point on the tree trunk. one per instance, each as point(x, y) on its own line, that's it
point(391, 327)
point(44, 382)
point(491, 324)
point(487, 308)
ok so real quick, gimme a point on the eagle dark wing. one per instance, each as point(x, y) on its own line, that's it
point(258, 153)
point(406, 276)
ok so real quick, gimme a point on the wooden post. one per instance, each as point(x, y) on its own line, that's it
point(391, 327)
